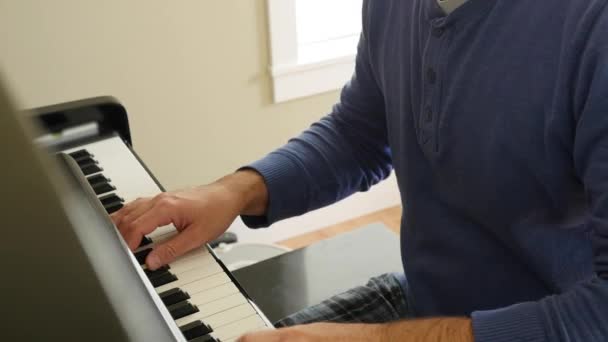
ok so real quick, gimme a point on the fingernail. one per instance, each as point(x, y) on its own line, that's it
point(153, 262)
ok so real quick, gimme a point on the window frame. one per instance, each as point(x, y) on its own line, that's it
point(291, 78)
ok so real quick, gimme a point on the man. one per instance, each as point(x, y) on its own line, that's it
point(494, 116)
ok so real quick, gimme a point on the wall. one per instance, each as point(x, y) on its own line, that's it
point(192, 74)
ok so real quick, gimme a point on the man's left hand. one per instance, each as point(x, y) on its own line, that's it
point(318, 332)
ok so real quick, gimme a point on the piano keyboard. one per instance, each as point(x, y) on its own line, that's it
point(199, 295)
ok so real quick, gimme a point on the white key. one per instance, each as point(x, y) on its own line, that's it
point(238, 328)
point(231, 315)
point(205, 297)
point(203, 267)
point(198, 261)
point(215, 293)
point(190, 277)
point(206, 283)
point(212, 308)
point(204, 270)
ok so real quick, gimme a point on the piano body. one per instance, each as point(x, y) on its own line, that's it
point(193, 299)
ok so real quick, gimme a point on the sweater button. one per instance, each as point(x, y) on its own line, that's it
point(438, 32)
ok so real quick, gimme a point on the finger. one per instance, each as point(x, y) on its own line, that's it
point(118, 216)
point(135, 213)
point(157, 216)
point(166, 252)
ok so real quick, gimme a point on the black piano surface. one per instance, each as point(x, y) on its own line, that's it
point(295, 280)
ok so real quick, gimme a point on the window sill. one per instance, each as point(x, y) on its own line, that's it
point(306, 79)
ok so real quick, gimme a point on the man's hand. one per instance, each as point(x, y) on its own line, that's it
point(319, 332)
point(200, 214)
point(422, 330)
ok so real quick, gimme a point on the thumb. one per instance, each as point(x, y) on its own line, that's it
point(171, 249)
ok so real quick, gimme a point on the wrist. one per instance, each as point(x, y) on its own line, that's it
point(248, 190)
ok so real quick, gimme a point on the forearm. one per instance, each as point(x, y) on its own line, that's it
point(325, 164)
point(457, 329)
point(423, 330)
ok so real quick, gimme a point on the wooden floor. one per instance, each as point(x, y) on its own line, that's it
point(391, 217)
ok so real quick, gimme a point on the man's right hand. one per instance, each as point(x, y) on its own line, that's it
point(200, 214)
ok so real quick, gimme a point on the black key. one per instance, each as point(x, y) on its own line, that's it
point(173, 296)
point(90, 169)
point(102, 188)
point(141, 255)
point(145, 241)
point(182, 309)
point(162, 279)
point(195, 329)
point(85, 161)
point(114, 207)
point(80, 154)
point(206, 338)
point(152, 274)
point(97, 179)
point(110, 199)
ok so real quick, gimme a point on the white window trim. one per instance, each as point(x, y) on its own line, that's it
point(294, 79)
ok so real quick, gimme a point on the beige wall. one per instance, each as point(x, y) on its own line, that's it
point(192, 73)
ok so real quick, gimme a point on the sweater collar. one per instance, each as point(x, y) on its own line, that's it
point(468, 11)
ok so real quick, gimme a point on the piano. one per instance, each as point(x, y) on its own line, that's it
point(196, 294)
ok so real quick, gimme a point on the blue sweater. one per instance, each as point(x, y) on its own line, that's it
point(495, 121)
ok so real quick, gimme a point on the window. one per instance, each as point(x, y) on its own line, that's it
point(313, 45)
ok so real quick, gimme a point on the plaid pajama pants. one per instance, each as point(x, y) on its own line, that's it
point(381, 300)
